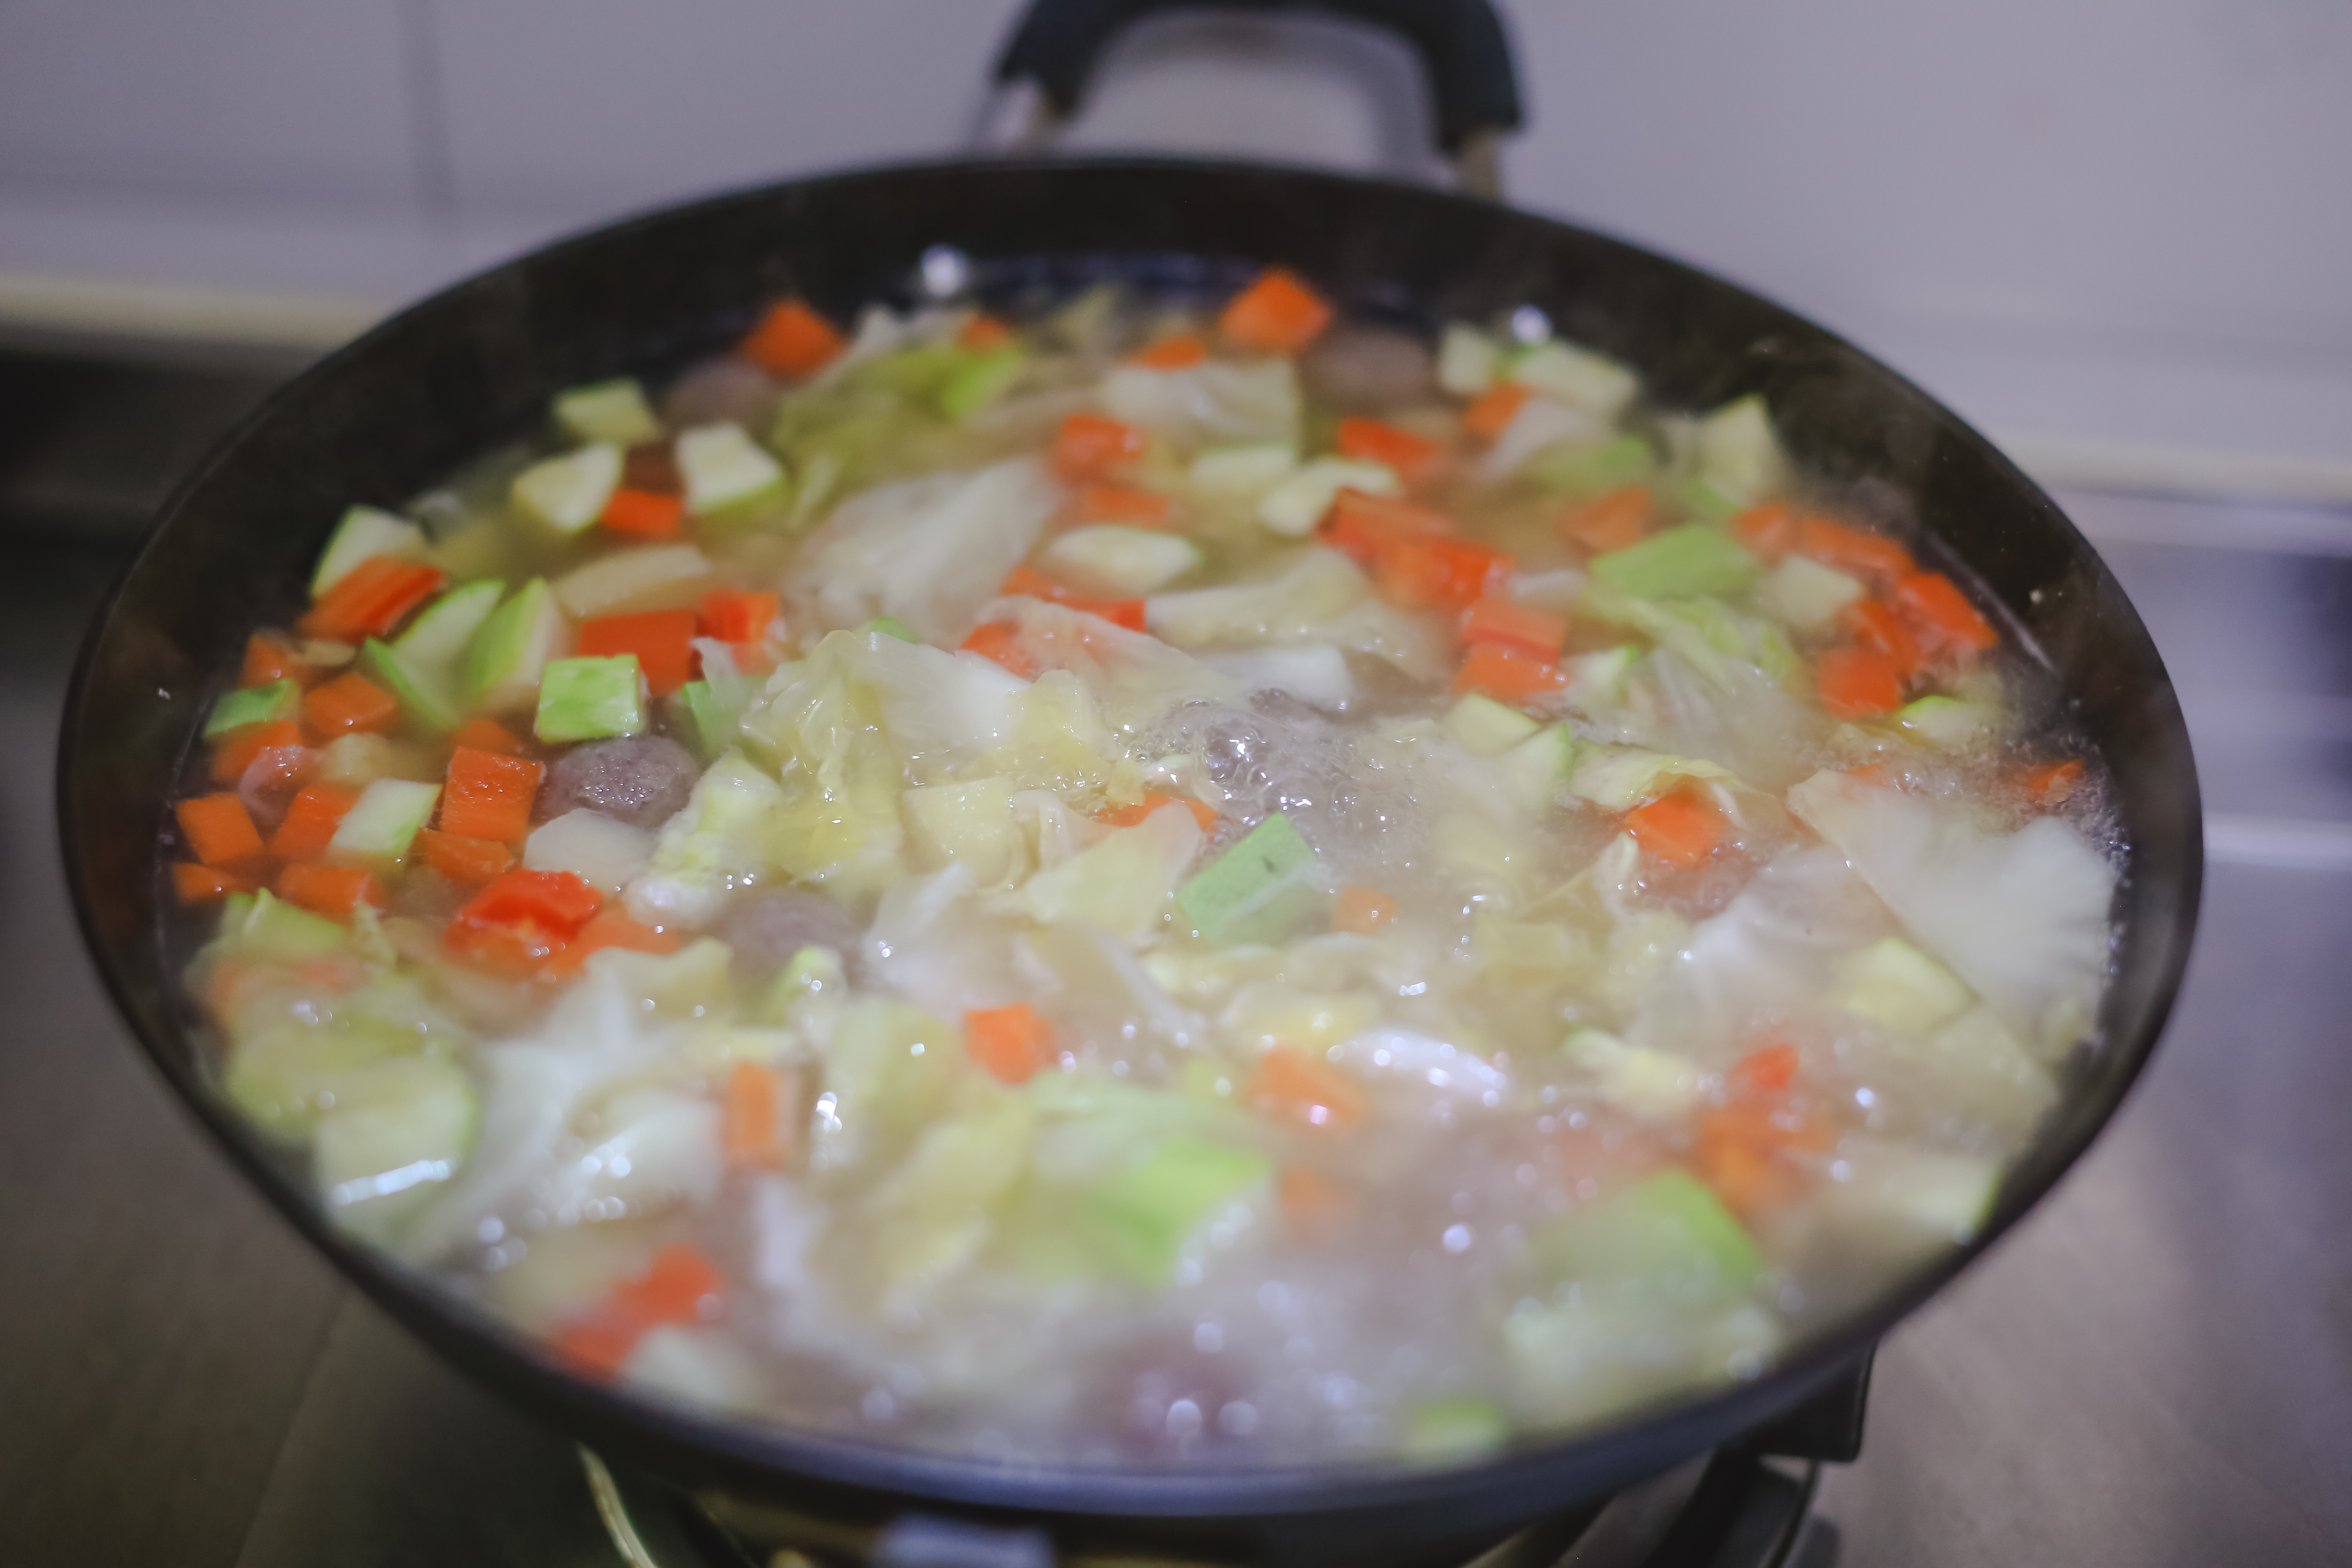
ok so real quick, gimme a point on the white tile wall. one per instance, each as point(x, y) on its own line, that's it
point(2128, 219)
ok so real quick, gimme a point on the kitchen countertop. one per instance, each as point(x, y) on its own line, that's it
point(2155, 1369)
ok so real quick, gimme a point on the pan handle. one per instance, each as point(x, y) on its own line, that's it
point(1042, 73)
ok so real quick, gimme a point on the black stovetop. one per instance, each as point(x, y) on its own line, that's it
point(2154, 1369)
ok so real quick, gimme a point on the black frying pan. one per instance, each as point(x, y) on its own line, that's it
point(476, 365)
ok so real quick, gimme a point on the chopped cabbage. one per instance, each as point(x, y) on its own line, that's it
point(1256, 400)
point(720, 839)
point(1121, 884)
point(928, 552)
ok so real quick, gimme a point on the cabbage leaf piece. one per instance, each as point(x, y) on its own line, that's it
point(2021, 916)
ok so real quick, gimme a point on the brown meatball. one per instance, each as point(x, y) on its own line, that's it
point(1368, 370)
point(642, 781)
point(766, 926)
point(718, 391)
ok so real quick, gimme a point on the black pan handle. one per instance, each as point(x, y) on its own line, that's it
point(1474, 86)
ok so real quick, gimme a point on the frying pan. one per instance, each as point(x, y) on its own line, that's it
point(474, 366)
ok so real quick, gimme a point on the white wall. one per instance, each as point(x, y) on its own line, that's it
point(2128, 219)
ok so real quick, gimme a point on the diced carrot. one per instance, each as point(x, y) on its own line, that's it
point(236, 750)
point(487, 735)
point(266, 658)
point(1275, 315)
point(1135, 811)
point(468, 862)
point(1768, 1070)
point(997, 642)
point(219, 830)
point(1850, 550)
point(677, 1288)
point(560, 900)
point(194, 884)
point(1089, 446)
point(1421, 572)
point(1858, 683)
point(611, 928)
point(1289, 1083)
point(1876, 626)
point(736, 617)
point(1745, 1153)
point(1769, 531)
point(348, 705)
point(520, 952)
point(1127, 612)
point(753, 1113)
point(1515, 626)
point(1414, 457)
point(2050, 784)
point(1116, 503)
point(1363, 910)
point(334, 890)
point(644, 514)
point(1312, 1203)
point(1027, 582)
point(309, 825)
point(983, 332)
point(1946, 622)
point(486, 796)
point(1612, 521)
point(663, 641)
point(791, 340)
point(1491, 412)
point(1358, 524)
point(1182, 351)
point(1682, 828)
point(1506, 674)
point(1012, 1043)
point(370, 599)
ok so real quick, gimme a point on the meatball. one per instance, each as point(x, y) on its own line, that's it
point(765, 927)
point(718, 391)
point(641, 780)
point(1368, 370)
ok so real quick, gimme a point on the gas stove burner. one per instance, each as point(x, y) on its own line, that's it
point(1732, 1508)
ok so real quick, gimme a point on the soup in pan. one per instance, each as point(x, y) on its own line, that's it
point(1146, 884)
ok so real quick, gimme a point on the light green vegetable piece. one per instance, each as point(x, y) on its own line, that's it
point(980, 381)
point(1577, 471)
point(1466, 359)
point(1740, 453)
point(614, 411)
point(1577, 377)
point(1893, 982)
point(568, 492)
point(397, 1130)
point(1622, 777)
point(1537, 769)
point(365, 531)
point(1298, 502)
point(1144, 1213)
point(253, 705)
point(1805, 593)
point(713, 724)
point(384, 820)
point(591, 698)
point(1451, 1430)
point(423, 666)
point(1708, 502)
point(510, 650)
point(1262, 889)
point(1121, 562)
point(1681, 562)
point(892, 627)
point(1948, 723)
point(1244, 468)
point(261, 925)
point(1485, 728)
point(723, 469)
point(1667, 1236)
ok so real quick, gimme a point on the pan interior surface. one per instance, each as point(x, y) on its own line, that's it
point(474, 366)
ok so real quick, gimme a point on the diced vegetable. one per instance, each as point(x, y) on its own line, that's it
point(1411, 458)
point(1507, 674)
point(219, 830)
point(644, 514)
point(1941, 615)
point(1665, 1236)
point(756, 1116)
point(1806, 595)
point(723, 468)
point(309, 823)
point(1012, 1043)
point(1678, 564)
point(1613, 521)
point(1124, 562)
point(1682, 829)
point(348, 704)
point(1485, 727)
point(679, 1287)
point(364, 533)
point(614, 411)
point(510, 650)
point(1182, 351)
point(791, 340)
point(1090, 447)
point(1246, 468)
point(1466, 360)
point(1769, 531)
point(1421, 572)
point(1948, 723)
point(1492, 412)
point(1622, 777)
point(1275, 315)
point(1442, 1431)
point(1536, 771)
point(1850, 550)
point(1578, 377)
point(335, 892)
point(1294, 505)
point(1858, 683)
point(370, 599)
point(468, 862)
point(1593, 468)
point(981, 379)
point(380, 825)
point(1739, 449)
point(397, 1130)
point(568, 492)
point(1892, 982)
point(1145, 1213)
point(603, 853)
point(591, 698)
point(1363, 910)
point(486, 795)
point(1537, 632)
point(661, 640)
point(269, 704)
point(1262, 889)
point(1876, 626)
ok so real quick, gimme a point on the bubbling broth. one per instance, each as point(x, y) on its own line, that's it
point(1143, 885)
